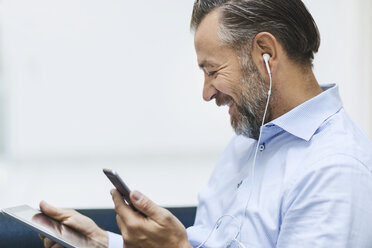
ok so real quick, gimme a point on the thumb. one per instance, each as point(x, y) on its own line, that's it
point(51, 211)
point(146, 206)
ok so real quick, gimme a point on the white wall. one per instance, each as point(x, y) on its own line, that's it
point(104, 78)
point(87, 84)
point(93, 84)
point(345, 53)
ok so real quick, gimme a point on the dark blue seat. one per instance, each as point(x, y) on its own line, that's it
point(14, 234)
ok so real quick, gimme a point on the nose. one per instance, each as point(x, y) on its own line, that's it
point(209, 91)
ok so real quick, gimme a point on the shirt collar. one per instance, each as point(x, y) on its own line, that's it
point(305, 119)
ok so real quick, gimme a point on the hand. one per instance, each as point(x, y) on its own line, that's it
point(160, 229)
point(77, 221)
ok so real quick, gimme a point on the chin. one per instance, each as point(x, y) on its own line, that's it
point(243, 128)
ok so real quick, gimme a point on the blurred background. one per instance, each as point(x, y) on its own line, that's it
point(88, 84)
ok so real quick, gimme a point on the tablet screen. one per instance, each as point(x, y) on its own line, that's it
point(50, 228)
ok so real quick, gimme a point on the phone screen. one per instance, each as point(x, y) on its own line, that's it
point(50, 228)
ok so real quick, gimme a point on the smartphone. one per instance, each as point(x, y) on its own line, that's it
point(119, 184)
point(50, 228)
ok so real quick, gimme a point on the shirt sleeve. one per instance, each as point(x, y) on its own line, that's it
point(115, 240)
point(329, 206)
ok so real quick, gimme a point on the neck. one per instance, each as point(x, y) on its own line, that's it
point(293, 87)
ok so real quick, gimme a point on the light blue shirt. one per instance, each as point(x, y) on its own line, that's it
point(312, 184)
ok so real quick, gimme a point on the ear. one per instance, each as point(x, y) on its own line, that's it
point(265, 42)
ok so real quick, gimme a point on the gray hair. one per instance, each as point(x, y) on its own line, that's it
point(241, 20)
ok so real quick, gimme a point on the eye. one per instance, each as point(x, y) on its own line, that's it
point(211, 73)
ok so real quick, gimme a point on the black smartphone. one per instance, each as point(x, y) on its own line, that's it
point(119, 184)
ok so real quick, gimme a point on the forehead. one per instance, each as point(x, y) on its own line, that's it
point(206, 38)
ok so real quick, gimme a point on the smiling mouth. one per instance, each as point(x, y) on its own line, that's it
point(224, 100)
point(231, 107)
point(230, 104)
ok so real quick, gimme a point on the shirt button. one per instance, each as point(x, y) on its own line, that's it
point(239, 184)
point(262, 147)
point(218, 224)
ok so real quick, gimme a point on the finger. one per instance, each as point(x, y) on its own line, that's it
point(55, 213)
point(122, 226)
point(42, 237)
point(148, 207)
point(125, 212)
point(48, 243)
point(68, 217)
point(57, 246)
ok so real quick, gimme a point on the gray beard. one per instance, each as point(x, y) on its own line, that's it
point(253, 97)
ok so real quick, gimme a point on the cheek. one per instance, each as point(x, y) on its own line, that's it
point(229, 86)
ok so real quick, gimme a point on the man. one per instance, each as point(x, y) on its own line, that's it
point(303, 179)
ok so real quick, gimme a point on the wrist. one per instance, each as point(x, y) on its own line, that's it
point(102, 238)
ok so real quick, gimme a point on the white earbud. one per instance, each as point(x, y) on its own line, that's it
point(266, 58)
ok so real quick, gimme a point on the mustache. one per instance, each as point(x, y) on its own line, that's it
point(222, 99)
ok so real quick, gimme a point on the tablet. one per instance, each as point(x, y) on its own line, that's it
point(50, 228)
